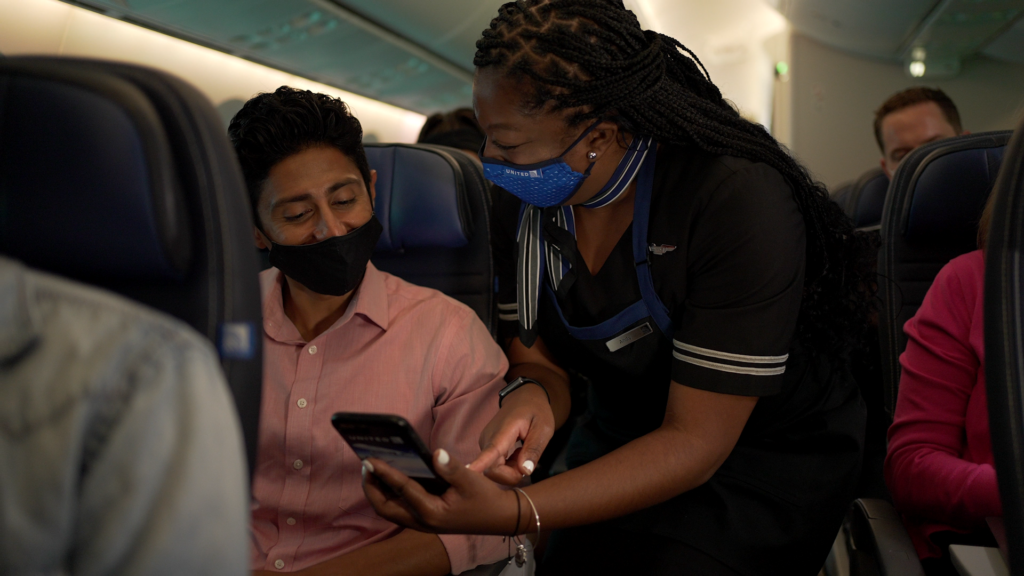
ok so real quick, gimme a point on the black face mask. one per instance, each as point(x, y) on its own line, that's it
point(332, 267)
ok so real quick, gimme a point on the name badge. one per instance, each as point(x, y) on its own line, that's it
point(628, 338)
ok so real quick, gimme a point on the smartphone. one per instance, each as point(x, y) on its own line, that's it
point(392, 439)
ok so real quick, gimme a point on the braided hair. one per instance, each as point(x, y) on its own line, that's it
point(590, 59)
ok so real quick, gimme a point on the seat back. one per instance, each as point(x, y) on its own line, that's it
point(930, 217)
point(434, 206)
point(122, 177)
point(868, 199)
point(841, 195)
point(1004, 343)
point(863, 199)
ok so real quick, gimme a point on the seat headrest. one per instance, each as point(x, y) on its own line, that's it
point(421, 197)
point(950, 182)
point(88, 182)
point(869, 194)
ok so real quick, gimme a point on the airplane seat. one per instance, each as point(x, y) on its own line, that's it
point(122, 177)
point(841, 195)
point(862, 200)
point(868, 198)
point(930, 216)
point(1004, 344)
point(433, 203)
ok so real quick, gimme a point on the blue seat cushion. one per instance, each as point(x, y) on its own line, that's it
point(87, 185)
point(949, 193)
point(421, 199)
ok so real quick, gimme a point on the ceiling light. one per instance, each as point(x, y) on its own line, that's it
point(919, 53)
point(917, 68)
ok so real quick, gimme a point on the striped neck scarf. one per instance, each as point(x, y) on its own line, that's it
point(553, 246)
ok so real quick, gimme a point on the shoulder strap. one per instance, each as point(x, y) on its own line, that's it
point(641, 220)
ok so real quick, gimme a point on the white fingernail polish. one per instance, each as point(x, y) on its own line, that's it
point(364, 471)
point(529, 466)
point(442, 457)
point(368, 466)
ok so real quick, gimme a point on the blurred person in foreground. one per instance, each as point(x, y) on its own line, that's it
point(121, 447)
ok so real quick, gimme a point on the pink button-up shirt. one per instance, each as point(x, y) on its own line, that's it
point(399, 349)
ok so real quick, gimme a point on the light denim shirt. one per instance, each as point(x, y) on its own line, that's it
point(120, 450)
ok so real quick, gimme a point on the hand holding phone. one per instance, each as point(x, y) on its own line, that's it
point(392, 439)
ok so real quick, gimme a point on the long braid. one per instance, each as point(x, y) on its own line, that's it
point(591, 58)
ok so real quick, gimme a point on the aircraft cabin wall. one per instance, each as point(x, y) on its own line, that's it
point(834, 96)
point(822, 108)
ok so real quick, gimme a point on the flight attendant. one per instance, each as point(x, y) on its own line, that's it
point(674, 255)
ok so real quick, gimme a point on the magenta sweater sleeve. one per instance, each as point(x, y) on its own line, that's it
point(924, 467)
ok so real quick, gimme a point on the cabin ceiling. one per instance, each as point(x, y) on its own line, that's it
point(418, 54)
point(891, 30)
point(407, 53)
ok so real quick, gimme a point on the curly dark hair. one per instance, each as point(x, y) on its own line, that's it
point(591, 59)
point(273, 126)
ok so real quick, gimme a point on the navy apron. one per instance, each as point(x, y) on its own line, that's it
point(764, 508)
point(628, 344)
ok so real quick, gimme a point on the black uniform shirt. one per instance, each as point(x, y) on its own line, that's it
point(730, 272)
point(732, 285)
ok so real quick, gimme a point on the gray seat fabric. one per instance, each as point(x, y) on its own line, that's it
point(122, 177)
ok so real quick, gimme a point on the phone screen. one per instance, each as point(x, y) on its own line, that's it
point(392, 449)
point(392, 439)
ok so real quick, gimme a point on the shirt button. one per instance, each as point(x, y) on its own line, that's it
point(290, 521)
point(279, 564)
point(297, 464)
point(301, 402)
point(312, 349)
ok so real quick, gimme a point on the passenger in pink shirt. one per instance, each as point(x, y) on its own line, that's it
point(939, 466)
point(339, 335)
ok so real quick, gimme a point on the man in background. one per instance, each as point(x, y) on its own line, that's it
point(913, 117)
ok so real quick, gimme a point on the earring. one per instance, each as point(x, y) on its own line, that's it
point(592, 155)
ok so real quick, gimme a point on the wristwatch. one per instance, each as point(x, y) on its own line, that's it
point(515, 384)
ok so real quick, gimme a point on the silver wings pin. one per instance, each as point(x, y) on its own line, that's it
point(660, 249)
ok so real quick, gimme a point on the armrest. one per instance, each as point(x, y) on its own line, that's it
point(978, 561)
point(877, 540)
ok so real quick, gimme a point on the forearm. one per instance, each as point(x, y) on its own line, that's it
point(942, 487)
point(409, 553)
point(645, 472)
point(556, 384)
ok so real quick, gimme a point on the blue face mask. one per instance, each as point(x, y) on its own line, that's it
point(544, 184)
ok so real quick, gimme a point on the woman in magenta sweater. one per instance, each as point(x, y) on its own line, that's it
point(939, 466)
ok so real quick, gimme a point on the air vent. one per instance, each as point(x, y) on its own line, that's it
point(316, 39)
